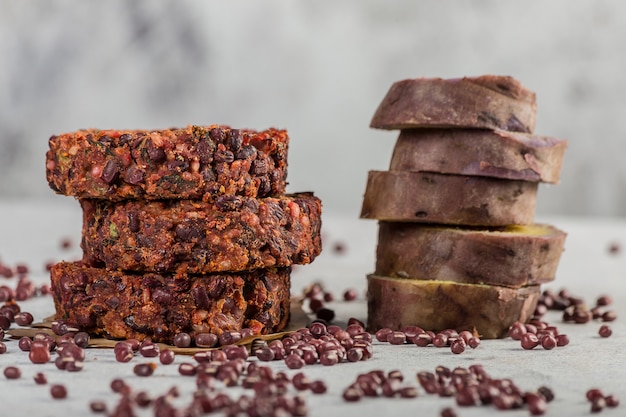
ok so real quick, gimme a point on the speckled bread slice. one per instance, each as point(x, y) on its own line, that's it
point(233, 234)
point(489, 153)
point(435, 305)
point(404, 196)
point(510, 256)
point(195, 162)
point(122, 305)
point(488, 101)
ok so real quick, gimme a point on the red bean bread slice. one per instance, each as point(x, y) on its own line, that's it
point(129, 305)
point(195, 162)
point(404, 196)
point(488, 101)
point(233, 234)
point(510, 256)
point(437, 305)
point(489, 153)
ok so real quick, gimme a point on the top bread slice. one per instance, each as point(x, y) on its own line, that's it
point(488, 102)
point(195, 162)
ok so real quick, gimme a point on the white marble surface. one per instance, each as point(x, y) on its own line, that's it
point(316, 68)
point(30, 232)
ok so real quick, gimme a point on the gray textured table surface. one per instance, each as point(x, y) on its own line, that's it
point(31, 231)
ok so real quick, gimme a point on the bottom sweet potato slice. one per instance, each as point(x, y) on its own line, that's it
point(488, 310)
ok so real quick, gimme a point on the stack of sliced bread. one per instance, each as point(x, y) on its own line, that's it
point(457, 246)
point(184, 231)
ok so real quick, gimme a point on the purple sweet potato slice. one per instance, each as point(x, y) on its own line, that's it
point(482, 152)
point(510, 256)
point(404, 196)
point(487, 101)
point(488, 310)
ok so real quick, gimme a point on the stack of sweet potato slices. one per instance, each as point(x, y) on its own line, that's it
point(457, 245)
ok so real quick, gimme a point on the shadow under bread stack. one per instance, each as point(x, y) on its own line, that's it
point(184, 230)
point(457, 245)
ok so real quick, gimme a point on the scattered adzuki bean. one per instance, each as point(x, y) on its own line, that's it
point(352, 394)
point(167, 356)
point(315, 304)
point(597, 404)
point(537, 404)
point(608, 316)
point(187, 369)
point(142, 399)
point(408, 392)
point(207, 340)
point(119, 386)
point(350, 294)
point(182, 340)
point(5, 323)
point(440, 340)
point(448, 412)
point(562, 340)
point(605, 331)
point(382, 334)
point(529, 341)
point(265, 354)
point(149, 350)
point(81, 339)
point(293, 361)
point(58, 391)
point(548, 342)
point(97, 406)
point(546, 393)
point(604, 300)
point(396, 338)
point(24, 343)
point(325, 314)
point(39, 352)
point(23, 318)
point(318, 387)
point(229, 338)
point(517, 330)
point(12, 372)
point(123, 352)
point(3, 348)
point(40, 378)
point(339, 248)
point(611, 401)
point(144, 369)
point(474, 342)
point(457, 346)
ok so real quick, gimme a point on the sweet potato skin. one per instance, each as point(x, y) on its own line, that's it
point(489, 102)
point(489, 153)
point(509, 256)
point(403, 196)
point(436, 305)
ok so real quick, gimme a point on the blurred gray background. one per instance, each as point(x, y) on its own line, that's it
point(316, 68)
